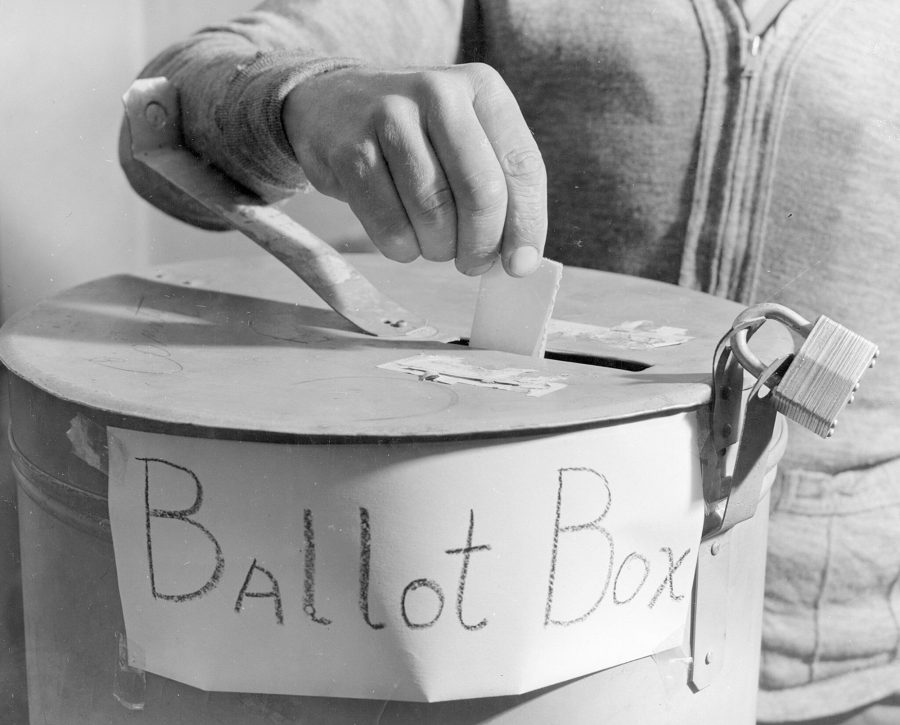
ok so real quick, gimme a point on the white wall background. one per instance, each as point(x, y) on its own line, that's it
point(66, 212)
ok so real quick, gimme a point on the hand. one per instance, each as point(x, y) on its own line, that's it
point(437, 163)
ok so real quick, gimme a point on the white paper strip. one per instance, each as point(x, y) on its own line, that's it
point(411, 571)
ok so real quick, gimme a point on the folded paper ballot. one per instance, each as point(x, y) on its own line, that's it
point(512, 313)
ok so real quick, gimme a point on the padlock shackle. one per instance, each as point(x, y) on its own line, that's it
point(751, 320)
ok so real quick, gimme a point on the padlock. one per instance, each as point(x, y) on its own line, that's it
point(822, 376)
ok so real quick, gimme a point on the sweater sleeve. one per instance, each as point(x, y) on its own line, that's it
point(233, 78)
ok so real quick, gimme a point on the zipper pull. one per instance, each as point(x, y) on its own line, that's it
point(750, 61)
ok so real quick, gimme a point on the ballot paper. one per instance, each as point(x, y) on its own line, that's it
point(512, 313)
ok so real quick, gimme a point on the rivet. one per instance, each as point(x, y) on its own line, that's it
point(156, 115)
point(714, 549)
point(726, 430)
point(708, 658)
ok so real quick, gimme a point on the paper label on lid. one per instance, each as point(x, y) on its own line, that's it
point(629, 335)
point(455, 369)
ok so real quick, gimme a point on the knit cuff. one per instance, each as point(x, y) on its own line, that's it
point(257, 151)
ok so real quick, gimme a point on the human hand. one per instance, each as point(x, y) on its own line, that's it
point(436, 162)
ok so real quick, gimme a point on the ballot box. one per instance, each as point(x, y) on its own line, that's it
point(236, 508)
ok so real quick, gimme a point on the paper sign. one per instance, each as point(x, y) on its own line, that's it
point(417, 571)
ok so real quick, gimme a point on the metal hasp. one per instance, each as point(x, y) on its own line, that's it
point(152, 110)
point(811, 387)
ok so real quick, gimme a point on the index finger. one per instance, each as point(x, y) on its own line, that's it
point(525, 228)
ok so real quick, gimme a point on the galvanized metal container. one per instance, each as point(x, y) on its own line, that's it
point(236, 352)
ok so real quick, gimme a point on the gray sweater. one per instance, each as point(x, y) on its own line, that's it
point(677, 148)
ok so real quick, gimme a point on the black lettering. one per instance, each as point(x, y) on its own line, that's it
point(418, 584)
point(309, 570)
point(593, 525)
point(365, 558)
point(466, 552)
point(669, 580)
point(179, 515)
point(274, 592)
point(633, 556)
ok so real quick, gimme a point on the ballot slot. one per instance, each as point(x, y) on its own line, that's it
point(579, 358)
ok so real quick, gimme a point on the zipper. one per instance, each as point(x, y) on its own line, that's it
point(731, 243)
point(733, 63)
point(730, 236)
point(748, 79)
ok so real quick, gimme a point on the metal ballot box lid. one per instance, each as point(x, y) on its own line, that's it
point(235, 345)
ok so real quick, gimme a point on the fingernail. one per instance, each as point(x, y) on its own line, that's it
point(524, 261)
point(476, 271)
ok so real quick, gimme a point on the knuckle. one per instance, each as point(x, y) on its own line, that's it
point(487, 83)
point(526, 165)
point(355, 161)
point(483, 194)
point(318, 171)
point(392, 133)
point(439, 93)
point(483, 74)
point(436, 204)
point(530, 229)
point(529, 220)
point(392, 120)
point(431, 83)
